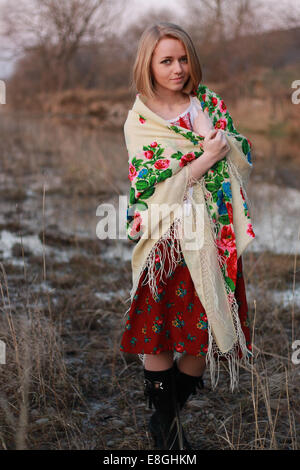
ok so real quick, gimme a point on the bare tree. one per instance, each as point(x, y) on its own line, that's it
point(54, 30)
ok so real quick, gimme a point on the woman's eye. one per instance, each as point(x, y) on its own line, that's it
point(168, 60)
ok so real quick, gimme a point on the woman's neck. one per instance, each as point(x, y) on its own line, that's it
point(170, 99)
point(168, 110)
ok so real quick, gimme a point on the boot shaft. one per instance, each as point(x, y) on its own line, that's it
point(186, 385)
point(165, 425)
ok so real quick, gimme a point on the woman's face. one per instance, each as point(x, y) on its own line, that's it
point(169, 60)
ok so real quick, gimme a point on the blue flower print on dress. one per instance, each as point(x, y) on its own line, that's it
point(227, 189)
point(143, 173)
point(220, 202)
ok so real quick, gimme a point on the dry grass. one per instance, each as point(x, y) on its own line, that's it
point(41, 148)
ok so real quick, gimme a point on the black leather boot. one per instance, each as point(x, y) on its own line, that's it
point(186, 385)
point(164, 426)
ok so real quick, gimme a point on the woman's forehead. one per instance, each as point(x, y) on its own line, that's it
point(169, 47)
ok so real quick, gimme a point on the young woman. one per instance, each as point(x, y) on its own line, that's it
point(166, 74)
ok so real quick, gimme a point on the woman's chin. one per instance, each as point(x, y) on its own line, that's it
point(175, 85)
point(178, 83)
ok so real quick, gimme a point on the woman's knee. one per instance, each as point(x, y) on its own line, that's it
point(161, 361)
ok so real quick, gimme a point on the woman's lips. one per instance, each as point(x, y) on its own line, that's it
point(177, 79)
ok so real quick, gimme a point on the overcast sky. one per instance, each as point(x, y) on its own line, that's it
point(177, 8)
point(134, 8)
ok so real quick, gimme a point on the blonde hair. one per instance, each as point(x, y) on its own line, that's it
point(142, 77)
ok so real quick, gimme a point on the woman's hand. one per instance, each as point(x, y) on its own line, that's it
point(202, 123)
point(215, 145)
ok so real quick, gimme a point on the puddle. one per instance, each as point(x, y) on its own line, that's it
point(287, 297)
point(275, 217)
point(120, 251)
point(108, 296)
point(33, 244)
point(74, 215)
point(9, 239)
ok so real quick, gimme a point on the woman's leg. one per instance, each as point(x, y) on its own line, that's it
point(191, 365)
point(160, 385)
point(157, 362)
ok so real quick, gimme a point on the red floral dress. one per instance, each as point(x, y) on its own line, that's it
point(176, 319)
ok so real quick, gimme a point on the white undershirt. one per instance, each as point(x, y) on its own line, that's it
point(193, 108)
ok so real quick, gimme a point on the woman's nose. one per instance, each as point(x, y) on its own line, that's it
point(178, 67)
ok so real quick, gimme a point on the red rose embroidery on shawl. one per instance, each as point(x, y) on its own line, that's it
point(136, 227)
point(186, 158)
point(227, 241)
point(227, 233)
point(231, 265)
point(221, 124)
point(132, 172)
point(160, 164)
point(222, 106)
point(214, 101)
point(149, 154)
point(154, 144)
